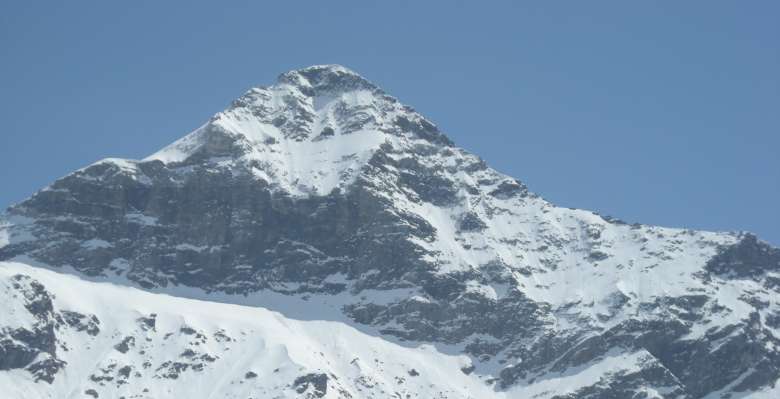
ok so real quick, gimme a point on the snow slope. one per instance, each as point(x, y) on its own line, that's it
point(220, 344)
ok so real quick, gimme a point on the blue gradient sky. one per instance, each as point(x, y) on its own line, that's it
point(659, 112)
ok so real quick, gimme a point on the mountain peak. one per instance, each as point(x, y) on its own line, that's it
point(328, 78)
point(314, 130)
point(342, 206)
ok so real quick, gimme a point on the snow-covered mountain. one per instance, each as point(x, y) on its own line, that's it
point(320, 239)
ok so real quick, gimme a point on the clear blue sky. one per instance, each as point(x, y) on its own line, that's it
point(661, 112)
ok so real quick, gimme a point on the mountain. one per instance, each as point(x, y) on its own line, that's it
point(320, 239)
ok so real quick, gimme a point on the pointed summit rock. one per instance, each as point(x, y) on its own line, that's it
point(313, 131)
point(319, 80)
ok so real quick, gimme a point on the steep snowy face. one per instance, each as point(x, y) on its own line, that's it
point(322, 197)
point(308, 134)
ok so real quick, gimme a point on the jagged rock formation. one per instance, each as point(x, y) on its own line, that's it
point(324, 198)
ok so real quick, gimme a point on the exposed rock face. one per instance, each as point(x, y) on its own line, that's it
point(749, 258)
point(27, 335)
point(313, 385)
point(323, 186)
